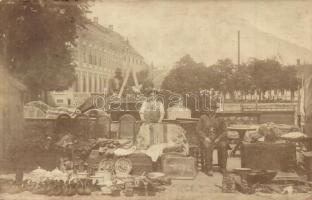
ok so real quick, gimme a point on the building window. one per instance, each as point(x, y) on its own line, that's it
point(101, 84)
point(95, 61)
point(90, 84)
point(104, 83)
point(59, 101)
point(95, 83)
point(84, 84)
point(84, 53)
point(90, 59)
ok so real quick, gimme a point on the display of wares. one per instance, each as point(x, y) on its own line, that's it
point(106, 165)
point(98, 179)
point(123, 167)
point(129, 186)
point(155, 175)
point(102, 177)
point(228, 183)
point(39, 175)
point(56, 174)
point(82, 175)
point(106, 190)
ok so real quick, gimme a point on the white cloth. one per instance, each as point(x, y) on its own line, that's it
point(155, 151)
point(124, 152)
point(153, 138)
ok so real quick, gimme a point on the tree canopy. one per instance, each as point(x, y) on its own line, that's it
point(256, 75)
point(37, 39)
point(187, 76)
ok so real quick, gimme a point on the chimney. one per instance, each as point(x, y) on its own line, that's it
point(96, 20)
point(111, 27)
point(298, 61)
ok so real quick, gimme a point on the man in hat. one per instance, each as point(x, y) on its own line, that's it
point(115, 83)
point(212, 133)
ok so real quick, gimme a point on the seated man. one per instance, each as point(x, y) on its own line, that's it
point(212, 133)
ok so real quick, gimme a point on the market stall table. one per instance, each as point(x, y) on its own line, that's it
point(241, 129)
point(307, 141)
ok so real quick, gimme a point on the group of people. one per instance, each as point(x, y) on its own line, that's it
point(210, 129)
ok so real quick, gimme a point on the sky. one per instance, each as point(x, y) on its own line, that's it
point(164, 31)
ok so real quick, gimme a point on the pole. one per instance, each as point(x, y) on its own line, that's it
point(238, 48)
point(297, 111)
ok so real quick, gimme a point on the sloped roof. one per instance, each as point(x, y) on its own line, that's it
point(107, 37)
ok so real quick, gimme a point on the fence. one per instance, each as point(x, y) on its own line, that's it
point(268, 107)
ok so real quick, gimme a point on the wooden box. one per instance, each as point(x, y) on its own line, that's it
point(140, 163)
point(273, 156)
point(178, 166)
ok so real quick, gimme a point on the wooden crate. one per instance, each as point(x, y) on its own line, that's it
point(140, 163)
point(178, 166)
point(269, 156)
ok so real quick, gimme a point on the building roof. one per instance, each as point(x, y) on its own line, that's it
point(107, 37)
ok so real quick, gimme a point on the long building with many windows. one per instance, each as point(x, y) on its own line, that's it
point(99, 52)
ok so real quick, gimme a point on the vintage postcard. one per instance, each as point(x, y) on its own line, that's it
point(155, 99)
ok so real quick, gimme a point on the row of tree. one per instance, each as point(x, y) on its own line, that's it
point(254, 76)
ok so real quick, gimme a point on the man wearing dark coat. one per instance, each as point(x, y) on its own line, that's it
point(212, 133)
point(115, 83)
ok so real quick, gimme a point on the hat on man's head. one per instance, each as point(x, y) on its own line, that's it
point(118, 71)
point(147, 88)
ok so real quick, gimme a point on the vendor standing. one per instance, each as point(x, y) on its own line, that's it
point(152, 110)
point(212, 133)
point(154, 137)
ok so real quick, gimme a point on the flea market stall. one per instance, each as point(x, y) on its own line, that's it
point(143, 159)
point(83, 164)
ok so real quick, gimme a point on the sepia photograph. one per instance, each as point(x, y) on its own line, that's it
point(155, 99)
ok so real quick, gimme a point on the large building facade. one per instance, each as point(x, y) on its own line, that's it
point(99, 52)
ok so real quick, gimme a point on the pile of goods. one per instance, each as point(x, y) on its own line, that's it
point(51, 187)
point(270, 132)
point(108, 146)
point(248, 181)
point(283, 188)
point(103, 167)
point(39, 174)
point(56, 183)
